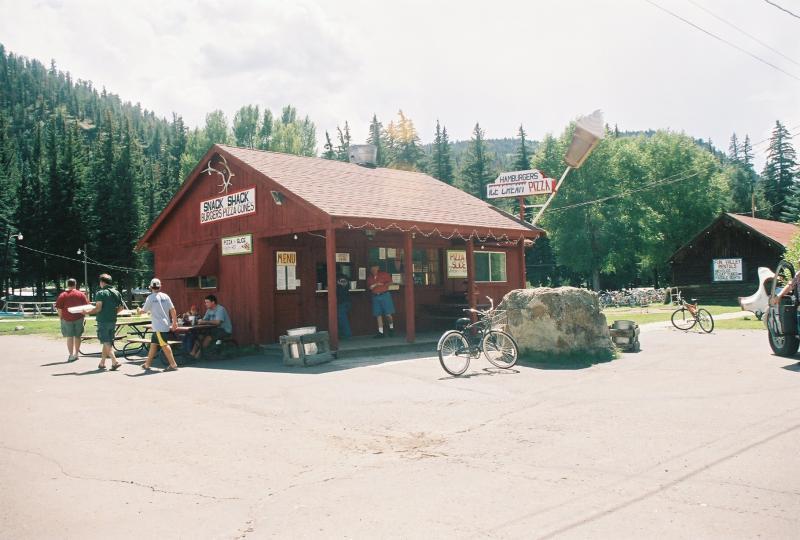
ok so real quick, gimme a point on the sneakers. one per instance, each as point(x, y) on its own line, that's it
point(379, 335)
point(391, 332)
point(72, 358)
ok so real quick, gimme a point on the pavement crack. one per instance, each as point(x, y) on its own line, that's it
point(152, 488)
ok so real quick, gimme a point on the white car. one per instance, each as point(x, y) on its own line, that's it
point(758, 302)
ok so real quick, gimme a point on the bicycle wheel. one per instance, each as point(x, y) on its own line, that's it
point(682, 319)
point(500, 349)
point(706, 320)
point(454, 352)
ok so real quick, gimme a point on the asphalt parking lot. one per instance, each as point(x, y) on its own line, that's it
point(697, 436)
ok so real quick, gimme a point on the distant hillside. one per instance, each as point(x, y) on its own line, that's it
point(502, 150)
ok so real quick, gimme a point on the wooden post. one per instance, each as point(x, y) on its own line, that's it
point(333, 314)
point(471, 277)
point(522, 208)
point(408, 284)
point(522, 263)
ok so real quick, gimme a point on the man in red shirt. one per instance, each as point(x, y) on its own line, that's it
point(378, 283)
point(71, 323)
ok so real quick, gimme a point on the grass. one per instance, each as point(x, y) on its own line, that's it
point(745, 323)
point(49, 326)
point(659, 312)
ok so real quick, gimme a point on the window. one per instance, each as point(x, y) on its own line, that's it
point(490, 266)
point(389, 259)
point(201, 282)
point(426, 266)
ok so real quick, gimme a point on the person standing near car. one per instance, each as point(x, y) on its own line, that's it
point(343, 305)
point(71, 323)
point(108, 303)
point(164, 319)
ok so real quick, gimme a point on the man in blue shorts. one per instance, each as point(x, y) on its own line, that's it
point(108, 302)
point(382, 306)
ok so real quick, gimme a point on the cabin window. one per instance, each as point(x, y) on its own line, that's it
point(490, 266)
point(389, 259)
point(201, 282)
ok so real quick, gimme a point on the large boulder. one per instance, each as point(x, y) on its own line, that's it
point(563, 320)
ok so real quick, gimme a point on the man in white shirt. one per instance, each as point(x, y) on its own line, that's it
point(160, 307)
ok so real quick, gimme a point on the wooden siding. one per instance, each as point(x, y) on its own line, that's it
point(725, 239)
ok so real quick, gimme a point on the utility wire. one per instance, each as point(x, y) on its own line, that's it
point(745, 32)
point(723, 40)
point(48, 254)
point(782, 9)
point(663, 182)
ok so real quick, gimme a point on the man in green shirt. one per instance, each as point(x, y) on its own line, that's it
point(108, 303)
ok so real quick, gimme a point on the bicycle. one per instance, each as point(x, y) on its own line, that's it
point(457, 347)
point(688, 315)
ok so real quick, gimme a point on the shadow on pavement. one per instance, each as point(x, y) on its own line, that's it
point(483, 373)
point(79, 373)
point(793, 367)
point(274, 364)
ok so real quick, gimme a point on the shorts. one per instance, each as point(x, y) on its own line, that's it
point(106, 332)
point(72, 328)
point(159, 338)
point(382, 304)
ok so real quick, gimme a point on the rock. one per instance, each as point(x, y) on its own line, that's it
point(563, 320)
point(18, 328)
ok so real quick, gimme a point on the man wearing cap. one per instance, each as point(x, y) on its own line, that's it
point(107, 303)
point(164, 319)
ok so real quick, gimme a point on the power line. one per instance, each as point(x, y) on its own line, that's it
point(745, 32)
point(782, 9)
point(664, 182)
point(47, 253)
point(723, 40)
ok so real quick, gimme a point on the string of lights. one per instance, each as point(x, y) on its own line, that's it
point(502, 239)
point(94, 263)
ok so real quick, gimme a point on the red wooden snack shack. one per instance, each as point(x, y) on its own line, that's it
point(269, 233)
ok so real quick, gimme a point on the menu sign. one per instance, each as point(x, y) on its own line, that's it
point(228, 206)
point(456, 263)
point(286, 271)
point(237, 245)
point(727, 269)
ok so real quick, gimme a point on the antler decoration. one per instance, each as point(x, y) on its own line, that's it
point(225, 174)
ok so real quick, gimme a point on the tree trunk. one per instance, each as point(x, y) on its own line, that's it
point(655, 278)
point(596, 279)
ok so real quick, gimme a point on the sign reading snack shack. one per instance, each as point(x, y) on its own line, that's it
point(228, 206)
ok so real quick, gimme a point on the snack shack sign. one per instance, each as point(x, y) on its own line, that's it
point(228, 206)
point(520, 184)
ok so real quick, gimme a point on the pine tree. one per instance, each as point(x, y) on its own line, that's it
point(330, 153)
point(780, 176)
point(376, 138)
point(441, 164)
point(343, 148)
point(402, 140)
point(477, 172)
point(734, 151)
point(522, 161)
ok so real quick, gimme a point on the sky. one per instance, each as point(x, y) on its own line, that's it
point(500, 63)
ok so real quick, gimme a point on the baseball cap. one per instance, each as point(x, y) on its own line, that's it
point(155, 283)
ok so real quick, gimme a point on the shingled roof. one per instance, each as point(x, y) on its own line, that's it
point(347, 190)
point(774, 230)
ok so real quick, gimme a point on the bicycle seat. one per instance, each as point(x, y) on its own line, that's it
point(694, 300)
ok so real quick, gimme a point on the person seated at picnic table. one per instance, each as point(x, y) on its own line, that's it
point(189, 319)
point(218, 322)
